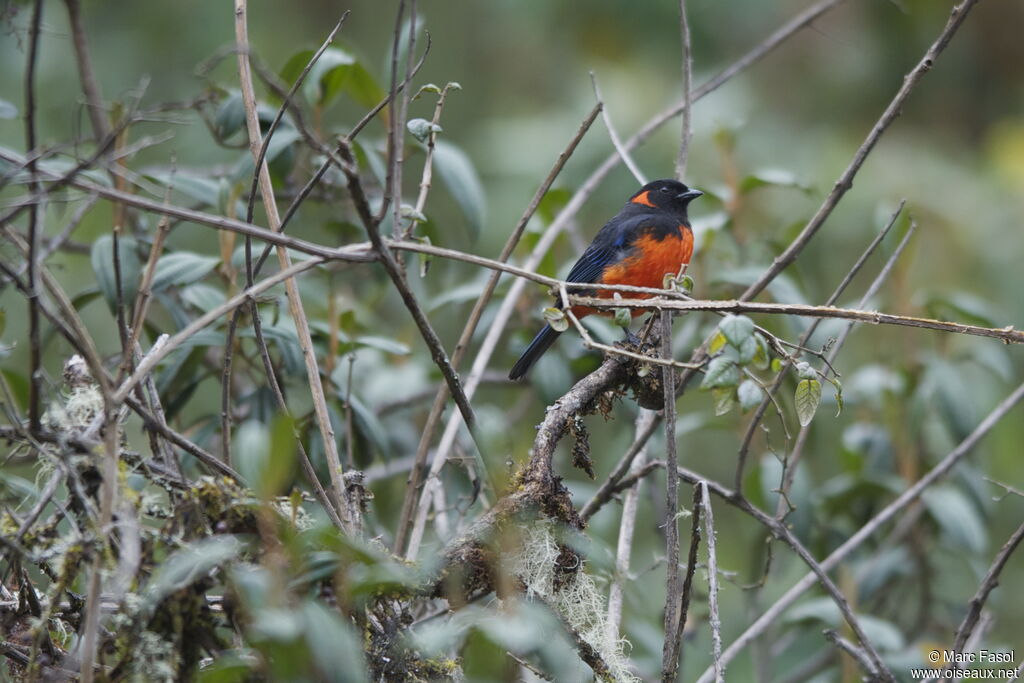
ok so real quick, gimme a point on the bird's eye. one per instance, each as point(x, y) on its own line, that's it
point(664, 190)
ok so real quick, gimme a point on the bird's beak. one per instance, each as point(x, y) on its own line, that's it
point(689, 195)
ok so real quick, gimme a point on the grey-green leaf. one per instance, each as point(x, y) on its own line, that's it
point(737, 329)
point(103, 266)
point(189, 564)
point(182, 268)
point(555, 317)
point(7, 110)
point(749, 394)
point(724, 399)
point(721, 372)
point(461, 180)
point(422, 128)
point(333, 643)
point(807, 398)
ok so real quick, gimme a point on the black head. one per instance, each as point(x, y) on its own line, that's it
point(669, 195)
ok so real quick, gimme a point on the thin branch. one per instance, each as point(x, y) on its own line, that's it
point(35, 220)
point(845, 181)
point(355, 253)
point(165, 345)
point(691, 566)
point(416, 474)
point(282, 109)
point(789, 468)
point(673, 582)
point(296, 308)
point(858, 654)
point(627, 526)
point(773, 613)
point(623, 153)
point(991, 580)
point(714, 619)
point(90, 87)
point(687, 59)
point(590, 185)
point(1006, 334)
point(780, 377)
point(427, 332)
point(818, 572)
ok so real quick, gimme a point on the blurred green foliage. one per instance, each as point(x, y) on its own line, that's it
point(766, 148)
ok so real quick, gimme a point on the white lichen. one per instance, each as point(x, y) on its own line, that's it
point(575, 597)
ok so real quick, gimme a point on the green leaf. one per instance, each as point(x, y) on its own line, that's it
point(737, 329)
point(685, 284)
point(807, 398)
point(957, 516)
point(556, 318)
point(721, 372)
point(963, 307)
point(772, 177)
point(776, 365)
point(188, 565)
point(747, 350)
point(460, 178)
point(202, 296)
point(228, 667)
point(333, 643)
point(761, 357)
point(280, 467)
point(103, 266)
point(554, 201)
point(230, 116)
point(7, 110)
point(422, 128)
point(805, 371)
point(336, 72)
point(384, 344)
point(622, 316)
point(265, 457)
point(327, 77)
point(292, 69)
point(717, 342)
point(724, 399)
point(182, 268)
point(194, 186)
point(749, 394)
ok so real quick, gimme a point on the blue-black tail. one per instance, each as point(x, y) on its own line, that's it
point(541, 343)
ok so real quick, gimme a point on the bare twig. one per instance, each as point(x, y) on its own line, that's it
point(845, 181)
point(627, 526)
point(781, 376)
point(90, 87)
point(35, 219)
point(291, 288)
point(623, 153)
point(1006, 334)
point(789, 468)
point(691, 566)
point(988, 583)
point(782, 532)
point(684, 137)
point(415, 475)
point(590, 185)
point(427, 332)
point(869, 529)
point(714, 619)
point(670, 646)
point(849, 648)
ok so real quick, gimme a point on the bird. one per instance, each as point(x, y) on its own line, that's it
point(649, 237)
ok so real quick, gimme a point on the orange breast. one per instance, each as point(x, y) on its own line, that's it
point(653, 258)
